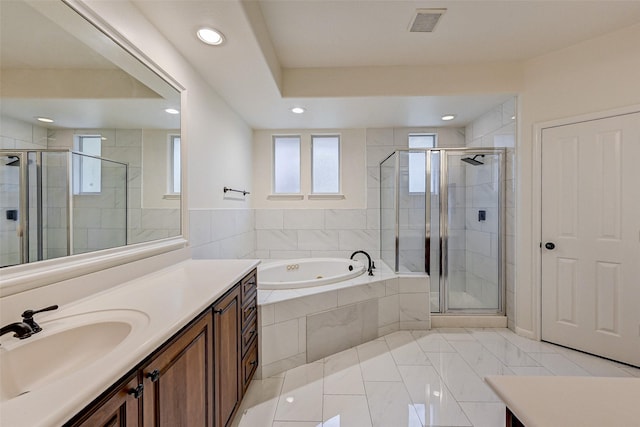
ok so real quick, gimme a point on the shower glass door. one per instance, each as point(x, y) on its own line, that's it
point(388, 211)
point(470, 227)
point(12, 204)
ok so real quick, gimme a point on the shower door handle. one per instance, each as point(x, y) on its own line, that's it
point(550, 245)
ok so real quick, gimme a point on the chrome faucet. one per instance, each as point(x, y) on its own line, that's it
point(371, 264)
point(21, 330)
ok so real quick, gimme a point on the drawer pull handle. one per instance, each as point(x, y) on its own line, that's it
point(154, 375)
point(218, 311)
point(136, 392)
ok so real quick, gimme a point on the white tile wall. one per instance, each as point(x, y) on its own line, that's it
point(222, 233)
point(496, 128)
point(292, 233)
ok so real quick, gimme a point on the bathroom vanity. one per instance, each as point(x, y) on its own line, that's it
point(188, 357)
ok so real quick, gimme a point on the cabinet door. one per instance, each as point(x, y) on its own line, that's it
point(226, 322)
point(118, 408)
point(178, 389)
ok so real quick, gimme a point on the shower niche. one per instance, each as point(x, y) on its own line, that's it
point(442, 213)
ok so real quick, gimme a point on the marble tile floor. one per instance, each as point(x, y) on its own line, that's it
point(411, 378)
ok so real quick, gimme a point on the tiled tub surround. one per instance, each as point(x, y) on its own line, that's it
point(303, 325)
point(305, 233)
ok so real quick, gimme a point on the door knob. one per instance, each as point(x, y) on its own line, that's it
point(550, 245)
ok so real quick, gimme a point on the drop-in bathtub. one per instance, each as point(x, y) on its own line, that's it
point(307, 272)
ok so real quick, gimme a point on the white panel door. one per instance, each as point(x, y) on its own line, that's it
point(591, 237)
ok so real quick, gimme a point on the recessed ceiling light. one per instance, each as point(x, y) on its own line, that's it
point(298, 110)
point(44, 119)
point(513, 117)
point(448, 117)
point(172, 111)
point(210, 36)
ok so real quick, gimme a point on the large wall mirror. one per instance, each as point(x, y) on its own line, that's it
point(90, 140)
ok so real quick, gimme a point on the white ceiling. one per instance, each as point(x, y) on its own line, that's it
point(351, 63)
point(268, 39)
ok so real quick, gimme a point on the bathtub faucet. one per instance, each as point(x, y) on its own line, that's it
point(371, 264)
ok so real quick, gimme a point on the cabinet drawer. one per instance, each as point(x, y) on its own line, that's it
point(249, 312)
point(249, 365)
point(248, 287)
point(249, 334)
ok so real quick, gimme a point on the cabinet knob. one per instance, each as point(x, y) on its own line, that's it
point(254, 363)
point(136, 392)
point(153, 375)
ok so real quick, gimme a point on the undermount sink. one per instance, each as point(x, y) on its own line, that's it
point(64, 346)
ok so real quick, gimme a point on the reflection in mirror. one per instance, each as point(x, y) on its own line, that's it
point(89, 139)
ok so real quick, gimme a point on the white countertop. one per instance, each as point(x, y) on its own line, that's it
point(570, 401)
point(165, 301)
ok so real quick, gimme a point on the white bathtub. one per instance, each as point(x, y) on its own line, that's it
point(307, 272)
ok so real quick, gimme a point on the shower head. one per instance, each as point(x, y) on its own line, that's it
point(472, 160)
point(13, 161)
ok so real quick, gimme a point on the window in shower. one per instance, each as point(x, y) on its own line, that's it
point(417, 161)
point(286, 164)
point(87, 176)
point(325, 164)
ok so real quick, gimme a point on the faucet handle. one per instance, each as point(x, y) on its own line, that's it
point(28, 314)
point(27, 317)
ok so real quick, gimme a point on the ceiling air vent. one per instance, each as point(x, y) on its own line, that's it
point(426, 20)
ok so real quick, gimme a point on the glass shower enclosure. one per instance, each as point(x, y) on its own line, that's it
point(60, 202)
point(441, 213)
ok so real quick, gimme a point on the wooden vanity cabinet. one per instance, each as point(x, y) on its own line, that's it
point(226, 357)
point(117, 408)
point(197, 378)
point(235, 354)
point(178, 382)
point(249, 330)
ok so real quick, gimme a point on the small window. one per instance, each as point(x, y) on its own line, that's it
point(286, 164)
point(325, 160)
point(87, 177)
point(174, 160)
point(417, 171)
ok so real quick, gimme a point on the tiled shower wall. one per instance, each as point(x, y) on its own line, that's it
point(98, 219)
point(97, 225)
point(14, 134)
point(497, 128)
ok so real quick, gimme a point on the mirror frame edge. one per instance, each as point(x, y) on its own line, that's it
point(24, 277)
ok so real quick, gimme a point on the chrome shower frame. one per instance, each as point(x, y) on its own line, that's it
point(24, 205)
point(443, 233)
